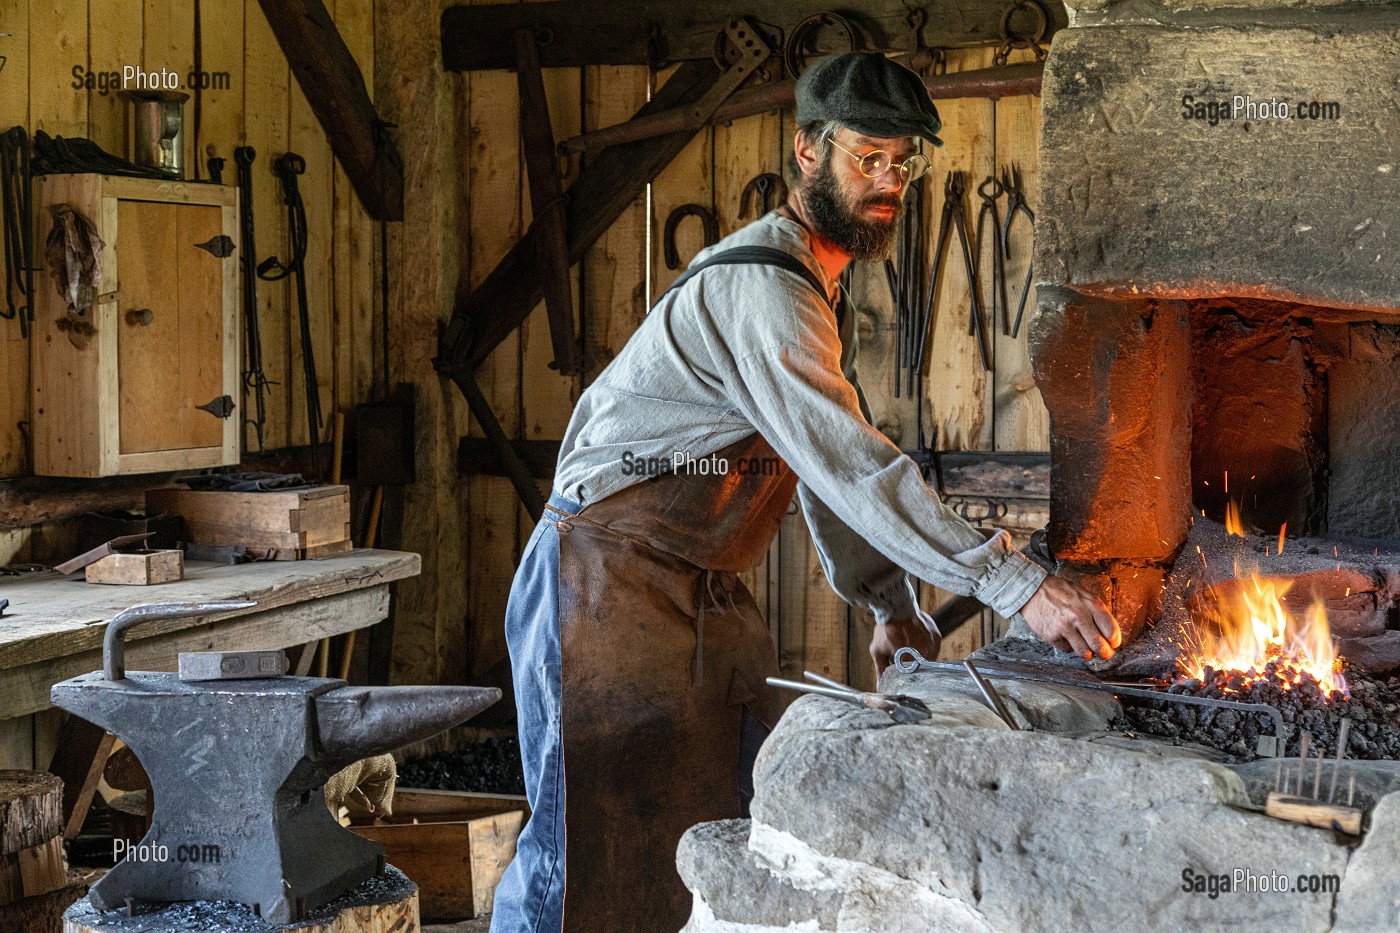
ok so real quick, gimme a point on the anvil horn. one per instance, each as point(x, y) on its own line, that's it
point(360, 722)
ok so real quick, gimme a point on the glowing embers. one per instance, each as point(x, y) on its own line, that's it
point(1245, 625)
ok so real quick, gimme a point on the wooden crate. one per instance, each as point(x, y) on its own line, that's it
point(310, 522)
point(164, 336)
point(454, 845)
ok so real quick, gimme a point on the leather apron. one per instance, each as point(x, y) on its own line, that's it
point(662, 648)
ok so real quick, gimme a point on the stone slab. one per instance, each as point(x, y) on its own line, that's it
point(1031, 830)
point(1295, 210)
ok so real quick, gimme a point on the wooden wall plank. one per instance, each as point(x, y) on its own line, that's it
point(1022, 421)
point(58, 40)
point(957, 390)
point(222, 116)
point(356, 241)
point(117, 41)
point(308, 139)
point(689, 179)
point(496, 185)
point(615, 269)
point(169, 44)
point(266, 108)
point(14, 350)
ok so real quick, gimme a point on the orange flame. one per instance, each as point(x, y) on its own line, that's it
point(1250, 625)
point(1233, 523)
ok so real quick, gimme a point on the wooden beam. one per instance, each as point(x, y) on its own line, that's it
point(1016, 80)
point(642, 32)
point(493, 310)
point(334, 87)
point(547, 202)
point(33, 500)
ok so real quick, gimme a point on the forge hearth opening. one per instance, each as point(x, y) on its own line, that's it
point(1214, 298)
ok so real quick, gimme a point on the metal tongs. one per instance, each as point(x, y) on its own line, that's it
point(900, 708)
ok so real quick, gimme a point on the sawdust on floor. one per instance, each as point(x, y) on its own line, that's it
point(477, 925)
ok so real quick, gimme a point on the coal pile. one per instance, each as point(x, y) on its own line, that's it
point(1372, 705)
point(489, 767)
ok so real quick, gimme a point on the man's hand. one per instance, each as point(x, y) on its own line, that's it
point(1071, 618)
point(901, 633)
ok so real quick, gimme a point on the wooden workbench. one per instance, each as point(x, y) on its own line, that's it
point(54, 625)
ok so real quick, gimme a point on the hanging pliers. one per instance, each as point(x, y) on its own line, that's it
point(1016, 203)
point(955, 191)
point(990, 191)
point(902, 709)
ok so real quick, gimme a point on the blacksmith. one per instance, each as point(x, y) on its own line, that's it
point(639, 658)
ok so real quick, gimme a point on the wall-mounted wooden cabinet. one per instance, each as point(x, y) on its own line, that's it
point(137, 384)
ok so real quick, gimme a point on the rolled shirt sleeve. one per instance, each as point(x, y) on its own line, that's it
point(785, 377)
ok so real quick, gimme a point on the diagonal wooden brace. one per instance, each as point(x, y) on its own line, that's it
point(547, 200)
point(486, 315)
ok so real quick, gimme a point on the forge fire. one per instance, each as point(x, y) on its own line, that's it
point(1242, 639)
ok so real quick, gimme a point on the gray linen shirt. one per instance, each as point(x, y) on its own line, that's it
point(745, 348)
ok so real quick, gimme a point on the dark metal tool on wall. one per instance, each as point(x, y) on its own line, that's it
point(288, 166)
point(989, 218)
point(15, 186)
point(237, 769)
point(1016, 204)
point(253, 376)
point(673, 221)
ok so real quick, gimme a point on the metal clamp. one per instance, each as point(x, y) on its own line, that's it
point(114, 641)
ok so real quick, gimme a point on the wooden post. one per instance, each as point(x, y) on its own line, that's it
point(547, 200)
point(31, 835)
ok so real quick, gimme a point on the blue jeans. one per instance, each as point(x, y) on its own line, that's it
point(530, 897)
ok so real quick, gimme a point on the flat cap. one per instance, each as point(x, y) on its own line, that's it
point(868, 93)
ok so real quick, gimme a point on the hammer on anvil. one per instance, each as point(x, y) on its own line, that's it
point(237, 768)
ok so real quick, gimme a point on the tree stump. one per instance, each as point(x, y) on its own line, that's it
point(44, 914)
point(386, 904)
point(31, 835)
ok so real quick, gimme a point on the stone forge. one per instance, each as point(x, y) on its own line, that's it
point(1219, 282)
point(958, 824)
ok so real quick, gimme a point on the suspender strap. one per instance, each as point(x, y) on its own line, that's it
point(755, 256)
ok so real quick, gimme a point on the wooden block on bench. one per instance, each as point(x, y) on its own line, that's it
point(141, 568)
point(293, 524)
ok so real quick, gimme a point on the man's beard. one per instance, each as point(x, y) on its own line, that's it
point(839, 221)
